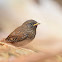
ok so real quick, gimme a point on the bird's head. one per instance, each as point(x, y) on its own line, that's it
point(32, 24)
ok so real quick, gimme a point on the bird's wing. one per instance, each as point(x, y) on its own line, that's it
point(17, 38)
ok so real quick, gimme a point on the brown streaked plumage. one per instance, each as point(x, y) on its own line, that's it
point(23, 34)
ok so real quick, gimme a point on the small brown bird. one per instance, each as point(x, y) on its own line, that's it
point(23, 34)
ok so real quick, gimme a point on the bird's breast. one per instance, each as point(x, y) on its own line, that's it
point(31, 34)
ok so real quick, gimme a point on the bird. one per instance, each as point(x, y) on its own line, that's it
point(24, 34)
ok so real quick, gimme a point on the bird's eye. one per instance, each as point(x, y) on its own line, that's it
point(30, 23)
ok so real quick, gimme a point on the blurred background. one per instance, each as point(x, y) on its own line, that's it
point(14, 12)
point(47, 12)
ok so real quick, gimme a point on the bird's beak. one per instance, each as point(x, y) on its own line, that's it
point(36, 24)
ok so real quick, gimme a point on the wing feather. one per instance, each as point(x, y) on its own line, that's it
point(15, 37)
